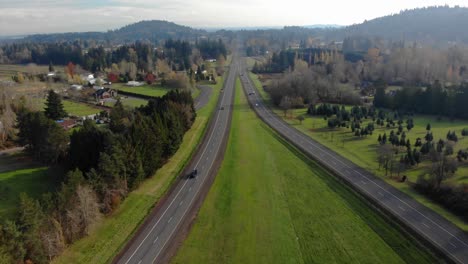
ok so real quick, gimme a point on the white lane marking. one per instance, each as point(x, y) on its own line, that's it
point(139, 262)
point(424, 224)
point(380, 193)
point(363, 182)
point(453, 245)
point(401, 208)
point(196, 165)
point(190, 189)
point(317, 146)
point(154, 242)
point(181, 202)
point(180, 219)
point(170, 219)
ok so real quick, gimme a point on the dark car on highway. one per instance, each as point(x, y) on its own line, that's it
point(193, 174)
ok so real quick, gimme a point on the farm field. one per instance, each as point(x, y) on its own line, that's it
point(134, 102)
point(114, 231)
point(8, 70)
point(79, 109)
point(270, 204)
point(148, 90)
point(363, 151)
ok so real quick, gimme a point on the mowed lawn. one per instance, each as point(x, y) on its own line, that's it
point(363, 151)
point(113, 233)
point(148, 90)
point(79, 109)
point(33, 181)
point(270, 204)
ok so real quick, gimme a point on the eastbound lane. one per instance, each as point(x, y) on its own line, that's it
point(434, 228)
point(155, 235)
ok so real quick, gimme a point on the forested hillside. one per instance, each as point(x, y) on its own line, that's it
point(154, 31)
point(440, 26)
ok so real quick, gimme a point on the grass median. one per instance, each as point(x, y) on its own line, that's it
point(271, 204)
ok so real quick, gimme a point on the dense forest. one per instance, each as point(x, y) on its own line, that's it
point(432, 26)
point(103, 165)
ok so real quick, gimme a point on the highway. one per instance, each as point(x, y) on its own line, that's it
point(439, 232)
point(154, 237)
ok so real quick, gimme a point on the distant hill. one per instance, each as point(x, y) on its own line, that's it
point(153, 30)
point(440, 25)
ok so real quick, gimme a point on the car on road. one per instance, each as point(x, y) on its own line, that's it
point(252, 93)
point(221, 108)
point(193, 174)
point(256, 104)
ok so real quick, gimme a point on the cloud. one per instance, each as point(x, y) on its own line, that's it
point(47, 16)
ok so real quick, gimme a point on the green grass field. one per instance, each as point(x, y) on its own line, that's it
point(363, 151)
point(33, 181)
point(112, 234)
point(270, 204)
point(148, 90)
point(133, 102)
point(79, 109)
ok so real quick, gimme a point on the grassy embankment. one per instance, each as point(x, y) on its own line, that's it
point(112, 234)
point(363, 151)
point(270, 204)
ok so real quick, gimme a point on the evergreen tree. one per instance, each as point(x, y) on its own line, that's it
point(51, 67)
point(54, 107)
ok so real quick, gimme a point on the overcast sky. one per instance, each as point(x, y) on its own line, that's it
point(45, 16)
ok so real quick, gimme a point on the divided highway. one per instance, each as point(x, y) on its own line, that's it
point(154, 237)
point(438, 231)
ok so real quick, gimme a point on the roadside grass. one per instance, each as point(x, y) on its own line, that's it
point(195, 92)
point(33, 181)
point(363, 151)
point(79, 109)
point(271, 204)
point(114, 231)
point(148, 90)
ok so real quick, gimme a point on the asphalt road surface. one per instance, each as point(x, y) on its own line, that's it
point(438, 231)
point(154, 236)
point(204, 96)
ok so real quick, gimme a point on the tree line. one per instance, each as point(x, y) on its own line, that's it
point(103, 163)
point(94, 58)
point(434, 99)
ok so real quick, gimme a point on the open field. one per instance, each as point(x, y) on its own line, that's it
point(8, 70)
point(148, 90)
point(112, 234)
point(79, 109)
point(20, 174)
point(270, 204)
point(134, 102)
point(363, 151)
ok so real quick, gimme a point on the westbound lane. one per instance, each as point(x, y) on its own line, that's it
point(155, 235)
point(438, 231)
